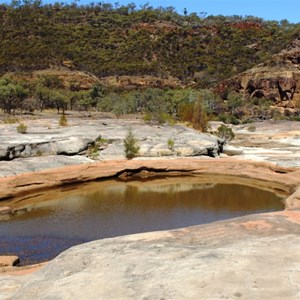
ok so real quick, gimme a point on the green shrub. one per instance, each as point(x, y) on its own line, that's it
point(147, 118)
point(159, 117)
point(223, 118)
point(251, 128)
point(10, 120)
point(22, 128)
point(95, 147)
point(234, 120)
point(63, 120)
point(225, 133)
point(93, 151)
point(130, 144)
point(171, 144)
point(295, 118)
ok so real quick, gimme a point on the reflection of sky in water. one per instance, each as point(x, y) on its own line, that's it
point(125, 208)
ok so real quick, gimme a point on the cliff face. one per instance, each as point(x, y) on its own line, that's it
point(278, 79)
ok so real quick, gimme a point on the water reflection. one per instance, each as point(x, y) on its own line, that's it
point(49, 227)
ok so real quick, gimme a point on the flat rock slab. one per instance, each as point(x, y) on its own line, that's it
point(33, 164)
point(270, 141)
point(253, 257)
point(62, 146)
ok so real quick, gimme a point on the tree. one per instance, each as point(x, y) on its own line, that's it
point(130, 144)
point(200, 118)
point(11, 95)
point(235, 100)
point(96, 94)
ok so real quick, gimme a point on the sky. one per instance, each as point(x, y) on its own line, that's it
point(266, 9)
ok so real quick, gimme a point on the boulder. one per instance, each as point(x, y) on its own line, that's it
point(231, 150)
point(9, 261)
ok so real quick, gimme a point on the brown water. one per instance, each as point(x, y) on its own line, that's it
point(117, 208)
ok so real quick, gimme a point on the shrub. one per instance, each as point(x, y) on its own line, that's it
point(158, 117)
point(10, 120)
point(200, 118)
point(147, 118)
point(22, 128)
point(130, 144)
point(251, 128)
point(225, 133)
point(171, 144)
point(93, 151)
point(63, 120)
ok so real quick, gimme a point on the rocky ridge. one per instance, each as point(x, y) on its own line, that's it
point(277, 79)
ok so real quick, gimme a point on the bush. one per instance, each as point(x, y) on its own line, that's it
point(130, 144)
point(251, 128)
point(22, 128)
point(63, 120)
point(94, 148)
point(171, 144)
point(225, 133)
point(10, 120)
point(200, 118)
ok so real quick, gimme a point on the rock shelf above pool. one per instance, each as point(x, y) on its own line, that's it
point(45, 140)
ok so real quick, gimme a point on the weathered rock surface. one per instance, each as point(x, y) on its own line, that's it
point(254, 257)
point(42, 141)
point(54, 146)
point(33, 164)
point(277, 79)
point(270, 141)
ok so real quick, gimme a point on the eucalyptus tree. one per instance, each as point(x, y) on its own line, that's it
point(11, 95)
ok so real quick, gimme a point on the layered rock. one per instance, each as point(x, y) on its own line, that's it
point(277, 80)
point(85, 141)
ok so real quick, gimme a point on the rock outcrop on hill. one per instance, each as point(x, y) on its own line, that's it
point(278, 79)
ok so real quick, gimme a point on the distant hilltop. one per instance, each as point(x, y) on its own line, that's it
point(126, 46)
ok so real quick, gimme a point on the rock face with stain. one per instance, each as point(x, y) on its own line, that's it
point(277, 79)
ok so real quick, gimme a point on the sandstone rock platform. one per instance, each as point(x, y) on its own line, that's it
point(47, 145)
point(252, 257)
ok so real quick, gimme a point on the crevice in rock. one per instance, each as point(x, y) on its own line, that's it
point(143, 172)
point(29, 184)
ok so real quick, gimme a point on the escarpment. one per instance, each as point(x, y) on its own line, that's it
point(277, 79)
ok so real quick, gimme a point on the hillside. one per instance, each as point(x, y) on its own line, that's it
point(277, 79)
point(126, 41)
